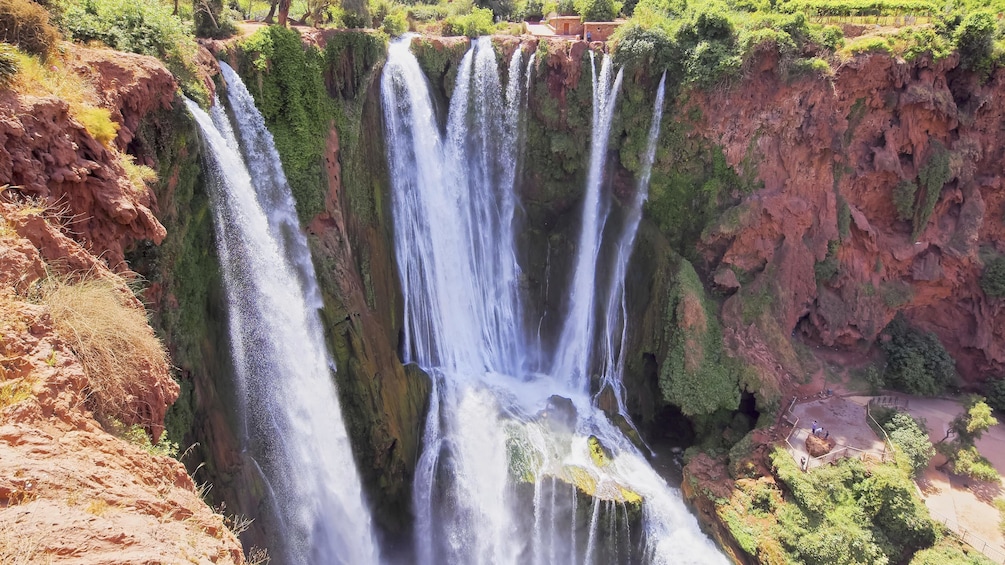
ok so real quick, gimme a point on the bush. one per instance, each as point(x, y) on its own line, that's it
point(916, 361)
point(903, 199)
point(98, 122)
point(26, 24)
point(932, 176)
point(212, 20)
point(8, 64)
point(502, 9)
point(968, 461)
point(993, 278)
point(950, 552)
point(995, 392)
point(831, 38)
point(111, 338)
point(394, 24)
point(566, 8)
point(139, 26)
point(477, 23)
point(910, 439)
point(975, 40)
point(533, 10)
point(597, 10)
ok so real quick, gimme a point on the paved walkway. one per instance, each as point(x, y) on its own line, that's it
point(964, 505)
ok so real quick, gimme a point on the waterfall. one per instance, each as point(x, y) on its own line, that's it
point(518, 465)
point(573, 354)
point(292, 423)
point(615, 333)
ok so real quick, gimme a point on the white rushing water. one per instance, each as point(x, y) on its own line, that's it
point(292, 423)
point(505, 447)
point(615, 334)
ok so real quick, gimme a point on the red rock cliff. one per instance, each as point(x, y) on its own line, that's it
point(71, 491)
point(831, 147)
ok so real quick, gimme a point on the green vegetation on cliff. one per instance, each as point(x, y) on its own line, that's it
point(847, 513)
point(697, 375)
point(293, 85)
point(916, 361)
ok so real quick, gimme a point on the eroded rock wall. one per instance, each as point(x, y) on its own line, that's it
point(75, 490)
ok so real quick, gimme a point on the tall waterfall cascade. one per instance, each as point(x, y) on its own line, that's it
point(518, 464)
point(292, 424)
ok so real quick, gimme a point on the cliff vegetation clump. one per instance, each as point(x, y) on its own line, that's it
point(851, 512)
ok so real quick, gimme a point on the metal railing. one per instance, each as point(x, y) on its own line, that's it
point(990, 550)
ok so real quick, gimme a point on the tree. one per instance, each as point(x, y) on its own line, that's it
point(501, 9)
point(917, 363)
point(911, 439)
point(970, 425)
point(597, 10)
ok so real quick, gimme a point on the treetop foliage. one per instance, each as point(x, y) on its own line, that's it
point(917, 363)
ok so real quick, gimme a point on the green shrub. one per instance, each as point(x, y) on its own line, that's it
point(146, 27)
point(910, 439)
point(212, 20)
point(475, 24)
point(868, 44)
point(597, 10)
point(831, 38)
point(975, 40)
point(8, 64)
point(26, 24)
point(394, 24)
point(888, 496)
point(502, 9)
point(566, 8)
point(426, 13)
point(968, 461)
point(993, 278)
point(932, 176)
point(950, 552)
point(829, 267)
point(640, 47)
point(844, 213)
point(995, 393)
point(903, 199)
point(533, 10)
point(697, 376)
point(917, 363)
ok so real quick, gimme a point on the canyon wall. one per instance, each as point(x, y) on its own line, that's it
point(773, 228)
point(85, 475)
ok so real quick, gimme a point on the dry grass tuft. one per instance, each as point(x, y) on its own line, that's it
point(26, 24)
point(13, 392)
point(111, 338)
point(18, 549)
point(98, 507)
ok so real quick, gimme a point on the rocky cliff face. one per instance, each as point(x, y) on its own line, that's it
point(75, 490)
point(831, 154)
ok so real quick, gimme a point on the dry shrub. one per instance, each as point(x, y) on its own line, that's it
point(113, 341)
point(18, 549)
point(26, 24)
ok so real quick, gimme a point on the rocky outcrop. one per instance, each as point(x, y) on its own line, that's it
point(831, 153)
point(74, 490)
point(49, 157)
